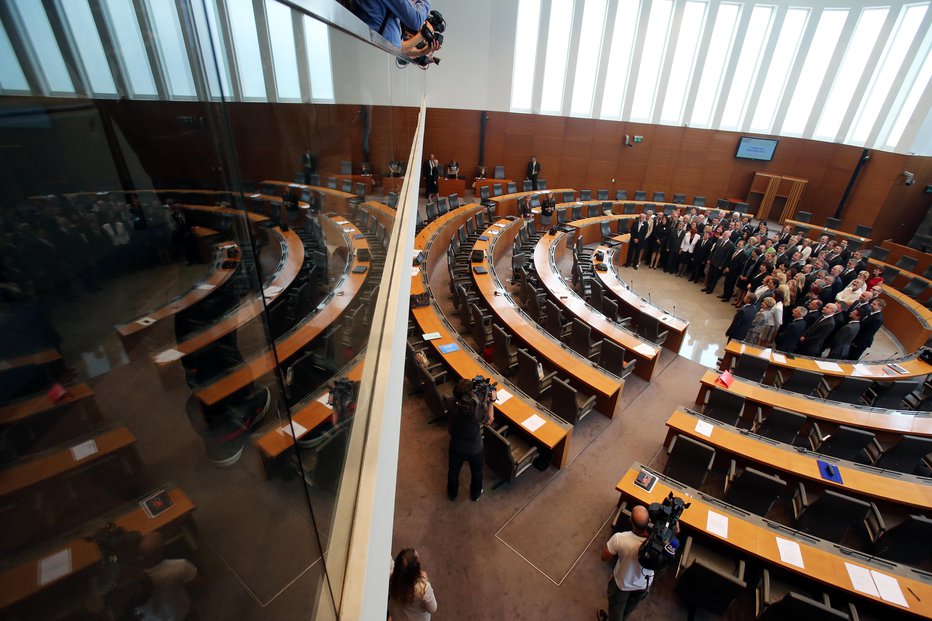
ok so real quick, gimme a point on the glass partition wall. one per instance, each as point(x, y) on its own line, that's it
point(196, 207)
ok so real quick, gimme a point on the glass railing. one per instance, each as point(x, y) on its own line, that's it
point(194, 290)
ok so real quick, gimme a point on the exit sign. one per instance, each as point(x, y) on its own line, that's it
point(639, 138)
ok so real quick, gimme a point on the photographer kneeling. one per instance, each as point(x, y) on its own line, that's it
point(472, 410)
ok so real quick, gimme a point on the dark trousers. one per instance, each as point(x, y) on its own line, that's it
point(476, 463)
point(715, 273)
point(622, 603)
point(731, 279)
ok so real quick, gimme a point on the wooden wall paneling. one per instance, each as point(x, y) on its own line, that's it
point(906, 205)
point(870, 193)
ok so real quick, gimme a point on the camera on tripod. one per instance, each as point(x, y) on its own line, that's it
point(660, 546)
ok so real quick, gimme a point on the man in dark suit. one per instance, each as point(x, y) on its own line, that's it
point(718, 260)
point(863, 305)
point(674, 241)
point(533, 169)
point(814, 312)
point(812, 342)
point(750, 269)
point(788, 338)
point(841, 342)
point(741, 323)
point(733, 269)
point(869, 326)
point(849, 273)
point(639, 234)
point(701, 255)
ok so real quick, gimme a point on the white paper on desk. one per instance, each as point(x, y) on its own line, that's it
point(430, 336)
point(415, 271)
point(168, 355)
point(324, 398)
point(205, 286)
point(889, 589)
point(862, 370)
point(53, 567)
point(341, 221)
point(828, 366)
point(764, 353)
point(742, 348)
point(704, 427)
point(503, 396)
point(790, 553)
point(271, 292)
point(500, 225)
point(778, 358)
point(298, 430)
point(348, 229)
point(85, 449)
point(861, 579)
point(494, 231)
point(717, 524)
point(533, 423)
point(645, 349)
point(145, 321)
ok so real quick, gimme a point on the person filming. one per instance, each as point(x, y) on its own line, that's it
point(472, 410)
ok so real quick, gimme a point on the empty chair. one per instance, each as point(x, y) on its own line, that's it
point(752, 490)
point(606, 229)
point(659, 197)
point(849, 390)
point(597, 296)
point(601, 195)
point(630, 208)
point(484, 192)
point(511, 187)
point(879, 253)
point(585, 195)
point(862, 231)
point(928, 273)
point(832, 223)
point(555, 324)
point(481, 327)
point(916, 287)
point(830, 516)
point(531, 376)
point(346, 168)
point(903, 543)
point(907, 263)
point(499, 172)
point(623, 226)
point(610, 308)
point(649, 328)
point(780, 425)
point(722, 203)
point(454, 201)
point(776, 600)
point(844, 443)
point(621, 195)
point(890, 395)
point(505, 354)
point(640, 195)
point(541, 184)
point(431, 210)
point(742, 207)
point(724, 406)
point(496, 189)
point(527, 185)
point(708, 579)
point(699, 201)
point(507, 456)
point(443, 206)
point(904, 456)
point(577, 212)
point(688, 461)
point(347, 185)
point(568, 196)
point(332, 183)
point(594, 210)
point(581, 341)
point(561, 216)
point(679, 199)
point(570, 404)
point(890, 273)
point(803, 382)
point(751, 367)
point(803, 216)
point(613, 359)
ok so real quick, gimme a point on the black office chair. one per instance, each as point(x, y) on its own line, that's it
point(484, 192)
point(531, 377)
point(803, 216)
point(613, 359)
point(752, 490)
point(594, 210)
point(347, 185)
point(751, 367)
point(568, 196)
point(928, 273)
point(541, 184)
point(833, 223)
point(689, 461)
point(585, 195)
point(610, 309)
point(903, 542)
point(916, 287)
point(555, 324)
point(581, 340)
point(640, 195)
point(623, 226)
point(621, 195)
point(779, 600)
point(332, 183)
point(742, 207)
point(722, 203)
point(649, 328)
point(780, 425)
point(707, 578)
point(844, 443)
point(597, 295)
point(570, 404)
point(878, 253)
point(346, 168)
point(496, 189)
point(561, 216)
point(907, 455)
point(849, 390)
point(863, 231)
point(527, 185)
point(499, 172)
point(605, 227)
point(481, 327)
point(511, 187)
point(802, 382)
point(601, 195)
point(907, 263)
point(830, 516)
point(889, 274)
point(507, 454)
point(890, 395)
point(454, 200)
point(699, 201)
point(679, 199)
point(630, 208)
point(724, 406)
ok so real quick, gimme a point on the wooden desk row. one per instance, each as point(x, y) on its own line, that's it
point(39, 358)
point(545, 262)
point(898, 251)
point(902, 279)
point(507, 204)
point(815, 232)
point(877, 420)
point(908, 320)
point(553, 433)
point(580, 372)
point(338, 198)
point(34, 405)
point(876, 484)
point(760, 539)
point(307, 329)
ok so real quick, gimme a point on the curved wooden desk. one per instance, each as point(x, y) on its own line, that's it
point(306, 330)
point(876, 371)
point(756, 537)
point(132, 330)
point(581, 373)
point(895, 488)
point(35, 405)
point(292, 257)
point(898, 251)
point(39, 358)
point(646, 353)
point(816, 231)
point(553, 433)
point(902, 279)
point(908, 320)
point(878, 420)
point(507, 204)
point(340, 198)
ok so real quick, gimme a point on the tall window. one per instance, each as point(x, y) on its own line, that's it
point(283, 51)
point(39, 32)
point(172, 49)
point(522, 75)
point(558, 47)
point(587, 60)
point(246, 43)
point(723, 38)
point(125, 28)
point(619, 59)
point(11, 74)
point(655, 42)
point(317, 42)
point(780, 64)
point(749, 61)
point(84, 30)
point(920, 76)
point(213, 50)
point(684, 61)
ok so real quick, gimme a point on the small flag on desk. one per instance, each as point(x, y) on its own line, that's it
point(725, 379)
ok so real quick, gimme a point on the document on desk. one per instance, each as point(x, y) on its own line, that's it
point(502, 396)
point(415, 271)
point(324, 398)
point(717, 524)
point(168, 355)
point(83, 450)
point(533, 422)
point(862, 370)
point(889, 588)
point(790, 553)
point(645, 350)
point(271, 292)
point(704, 427)
point(430, 336)
point(205, 286)
point(861, 579)
point(53, 567)
point(778, 358)
point(828, 366)
point(299, 431)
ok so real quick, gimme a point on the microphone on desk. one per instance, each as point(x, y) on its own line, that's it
point(674, 311)
point(648, 299)
point(631, 285)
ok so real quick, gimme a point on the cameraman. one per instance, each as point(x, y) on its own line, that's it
point(388, 16)
point(629, 582)
point(467, 416)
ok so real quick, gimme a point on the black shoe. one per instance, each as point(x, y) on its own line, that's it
point(708, 292)
point(635, 267)
point(477, 496)
point(601, 615)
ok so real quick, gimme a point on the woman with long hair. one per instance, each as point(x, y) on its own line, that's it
point(410, 596)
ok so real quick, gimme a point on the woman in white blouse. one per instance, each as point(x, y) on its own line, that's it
point(410, 596)
point(686, 249)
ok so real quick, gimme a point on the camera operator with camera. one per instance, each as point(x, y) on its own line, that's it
point(472, 410)
point(408, 24)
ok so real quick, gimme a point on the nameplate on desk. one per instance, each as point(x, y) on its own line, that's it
point(862, 370)
point(829, 471)
point(502, 396)
point(145, 321)
point(168, 355)
point(704, 427)
point(778, 358)
point(324, 399)
point(449, 348)
point(53, 567)
point(717, 524)
point(430, 336)
point(205, 286)
point(898, 368)
point(299, 431)
point(84, 450)
point(645, 480)
point(790, 552)
point(645, 350)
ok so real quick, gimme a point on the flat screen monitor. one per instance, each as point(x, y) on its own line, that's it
point(756, 148)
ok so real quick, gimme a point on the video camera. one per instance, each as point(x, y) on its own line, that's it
point(343, 396)
point(660, 546)
point(431, 31)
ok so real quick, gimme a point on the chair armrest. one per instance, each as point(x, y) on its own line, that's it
point(874, 523)
point(739, 570)
point(730, 475)
point(800, 501)
point(874, 450)
point(815, 436)
point(590, 402)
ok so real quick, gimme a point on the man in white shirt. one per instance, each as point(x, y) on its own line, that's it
point(629, 582)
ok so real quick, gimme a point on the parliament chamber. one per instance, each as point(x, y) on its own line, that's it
point(253, 258)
